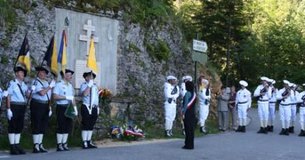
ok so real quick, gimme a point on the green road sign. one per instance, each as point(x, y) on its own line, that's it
point(200, 57)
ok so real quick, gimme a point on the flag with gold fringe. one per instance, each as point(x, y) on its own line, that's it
point(51, 57)
point(62, 54)
point(24, 54)
point(91, 61)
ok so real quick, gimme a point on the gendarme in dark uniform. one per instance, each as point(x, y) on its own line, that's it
point(40, 107)
point(64, 95)
point(16, 106)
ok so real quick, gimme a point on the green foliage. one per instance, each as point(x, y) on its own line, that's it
point(133, 48)
point(160, 50)
point(8, 19)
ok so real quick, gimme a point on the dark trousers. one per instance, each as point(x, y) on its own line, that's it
point(39, 117)
point(64, 124)
point(15, 125)
point(88, 121)
point(189, 126)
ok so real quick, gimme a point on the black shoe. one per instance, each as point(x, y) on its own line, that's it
point(291, 130)
point(238, 129)
point(270, 129)
point(184, 147)
point(261, 130)
point(265, 130)
point(19, 149)
point(36, 148)
point(282, 132)
point(91, 145)
point(59, 147)
point(167, 133)
point(243, 129)
point(42, 149)
point(65, 147)
point(85, 145)
point(302, 133)
point(286, 132)
point(13, 150)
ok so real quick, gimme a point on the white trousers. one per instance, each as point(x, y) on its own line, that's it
point(170, 115)
point(293, 114)
point(302, 117)
point(285, 113)
point(271, 113)
point(263, 111)
point(242, 114)
point(203, 114)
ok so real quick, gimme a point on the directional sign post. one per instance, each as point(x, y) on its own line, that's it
point(199, 53)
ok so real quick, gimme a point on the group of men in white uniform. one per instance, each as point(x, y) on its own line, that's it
point(172, 92)
point(267, 97)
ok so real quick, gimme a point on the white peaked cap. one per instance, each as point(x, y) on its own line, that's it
point(292, 85)
point(243, 83)
point(189, 78)
point(303, 84)
point(171, 77)
point(265, 78)
point(286, 82)
point(205, 81)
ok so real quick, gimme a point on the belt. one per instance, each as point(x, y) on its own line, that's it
point(62, 105)
point(263, 100)
point(242, 102)
point(18, 103)
point(40, 101)
point(285, 104)
point(272, 102)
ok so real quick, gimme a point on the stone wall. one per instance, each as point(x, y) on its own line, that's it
point(140, 75)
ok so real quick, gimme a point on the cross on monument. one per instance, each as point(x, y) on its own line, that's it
point(90, 29)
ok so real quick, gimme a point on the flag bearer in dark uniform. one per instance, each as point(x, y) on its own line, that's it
point(89, 108)
point(40, 107)
point(188, 113)
point(16, 106)
point(64, 95)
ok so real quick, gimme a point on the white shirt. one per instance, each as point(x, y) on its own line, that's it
point(265, 97)
point(94, 95)
point(168, 92)
point(41, 85)
point(202, 95)
point(243, 96)
point(285, 101)
point(14, 91)
point(182, 89)
point(63, 89)
point(273, 94)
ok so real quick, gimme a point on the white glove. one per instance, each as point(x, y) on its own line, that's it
point(5, 93)
point(52, 84)
point(90, 84)
point(50, 113)
point(75, 111)
point(9, 114)
point(33, 87)
point(70, 98)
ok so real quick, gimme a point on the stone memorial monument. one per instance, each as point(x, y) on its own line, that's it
point(79, 27)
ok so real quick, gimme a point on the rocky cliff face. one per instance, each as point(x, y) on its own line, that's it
point(145, 57)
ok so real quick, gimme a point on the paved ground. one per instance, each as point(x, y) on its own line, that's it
point(224, 146)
